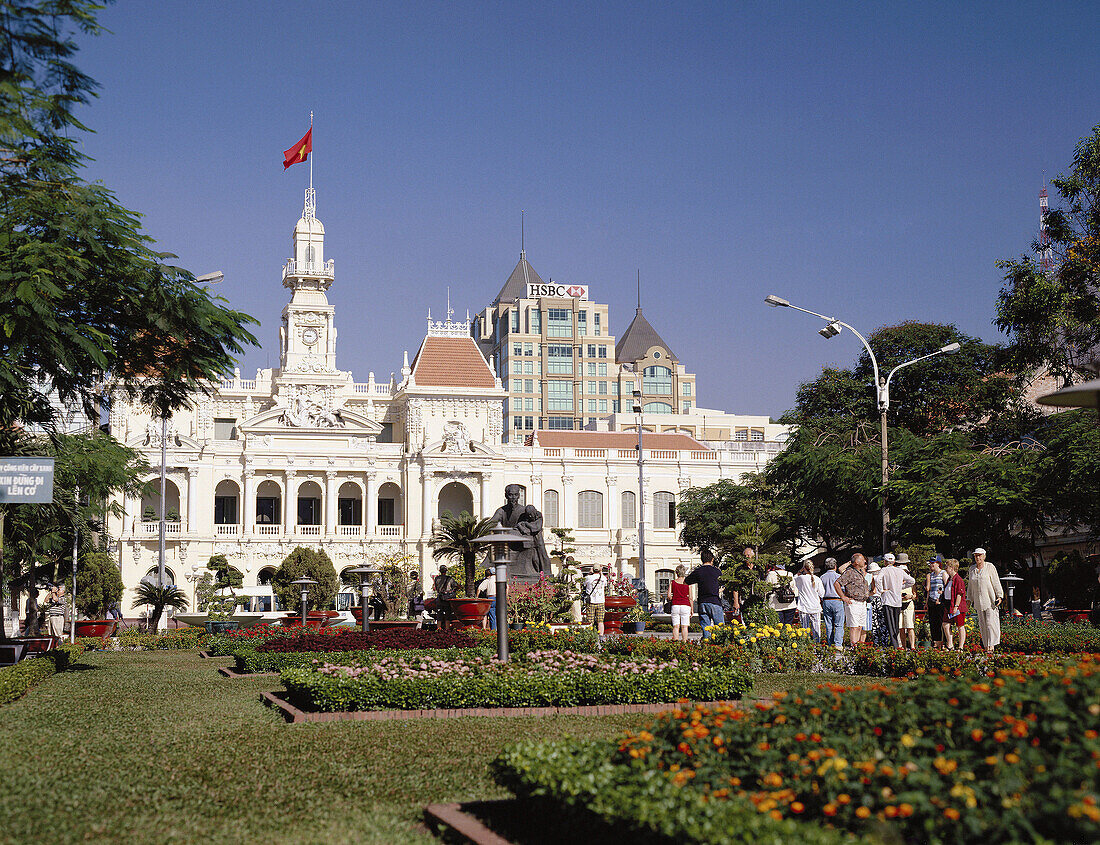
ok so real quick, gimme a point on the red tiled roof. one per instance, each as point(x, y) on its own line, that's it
point(617, 440)
point(451, 362)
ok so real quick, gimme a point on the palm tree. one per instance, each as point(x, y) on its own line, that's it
point(159, 598)
point(454, 538)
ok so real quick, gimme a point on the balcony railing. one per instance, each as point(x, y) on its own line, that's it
point(153, 528)
point(267, 530)
point(309, 530)
point(309, 268)
point(227, 530)
point(349, 530)
point(389, 530)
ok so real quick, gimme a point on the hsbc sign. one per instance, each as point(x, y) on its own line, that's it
point(556, 290)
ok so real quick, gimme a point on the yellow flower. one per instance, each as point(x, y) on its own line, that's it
point(908, 741)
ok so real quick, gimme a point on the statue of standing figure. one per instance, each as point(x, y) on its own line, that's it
point(529, 557)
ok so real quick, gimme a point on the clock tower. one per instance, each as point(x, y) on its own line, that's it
point(307, 339)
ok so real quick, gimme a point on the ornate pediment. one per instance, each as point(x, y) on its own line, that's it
point(150, 437)
point(339, 421)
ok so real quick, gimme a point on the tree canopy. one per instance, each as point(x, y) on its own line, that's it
point(85, 301)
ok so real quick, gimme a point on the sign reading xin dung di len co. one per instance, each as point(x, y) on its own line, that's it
point(556, 290)
point(26, 480)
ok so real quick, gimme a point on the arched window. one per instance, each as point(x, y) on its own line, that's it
point(389, 504)
point(225, 502)
point(309, 503)
point(630, 513)
point(590, 509)
point(349, 504)
point(664, 510)
point(269, 510)
point(550, 509)
point(657, 408)
point(263, 579)
point(664, 578)
point(455, 498)
point(657, 381)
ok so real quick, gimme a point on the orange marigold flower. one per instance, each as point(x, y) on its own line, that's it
point(905, 810)
point(775, 814)
point(862, 813)
point(815, 737)
point(977, 734)
point(801, 737)
point(763, 746)
point(797, 807)
point(815, 711)
point(829, 809)
point(735, 781)
point(844, 798)
point(891, 811)
point(1000, 736)
point(951, 813)
point(1090, 734)
point(1012, 758)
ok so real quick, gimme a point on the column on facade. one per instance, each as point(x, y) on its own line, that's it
point(567, 506)
point(330, 501)
point(426, 505)
point(248, 505)
point(614, 506)
point(370, 508)
point(484, 505)
point(192, 499)
point(290, 496)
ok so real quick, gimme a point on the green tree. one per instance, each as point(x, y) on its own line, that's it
point(305, 563)
point(84, 298)
point(727, 516)
point(157, 598)
point(98, 584)
point(565, 549)
point(454, 539)
point(1053, 319)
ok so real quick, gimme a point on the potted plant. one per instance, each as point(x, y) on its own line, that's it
point(637, 617)
point(98, 586)
point(221, 608)
point(305, 563)
point(390, 587)
point(618, 599)
point(454, 538)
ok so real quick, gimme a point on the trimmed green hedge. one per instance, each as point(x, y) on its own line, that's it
point(516, 686)
point(580, 781)
point(1031, 637)
point(16, 680)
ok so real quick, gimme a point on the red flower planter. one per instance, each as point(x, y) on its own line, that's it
point(468, 613)
point(314, 619)
point(101, 628)
point(382, 624)
point(614, 609)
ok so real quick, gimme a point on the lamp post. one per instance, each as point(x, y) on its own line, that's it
point(365, 573)
point(641, 488)
point(498, 540)
point(831, 329)
point(305, 584)
point(1010, 582)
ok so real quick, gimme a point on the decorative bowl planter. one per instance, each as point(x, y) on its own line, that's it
point(387, 624)
point(615, 608)
point(220, 626)
point(314, 619)
point(468, 613)
point(101, 628)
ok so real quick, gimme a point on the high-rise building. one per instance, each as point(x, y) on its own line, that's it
point(553, 350)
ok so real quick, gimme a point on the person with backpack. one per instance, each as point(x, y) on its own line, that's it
point(783, 599)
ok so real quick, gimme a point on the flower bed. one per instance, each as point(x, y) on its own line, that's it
point(251, 660)
point(902, 663)
point(352, 640)
point(1013, 756)
point(539, 637)
point(543, 679)
point(1031, 637)
point(134, 640)
point(768, 648)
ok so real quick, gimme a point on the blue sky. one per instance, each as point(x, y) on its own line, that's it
point(868, 160)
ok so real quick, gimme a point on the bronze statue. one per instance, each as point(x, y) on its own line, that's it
point(529, 556)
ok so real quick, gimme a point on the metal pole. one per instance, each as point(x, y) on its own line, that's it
point(163, 493)
point(76, 535)
point(363, 601)
point(305, 594)
point(3, 626)
point(641, 505)
point(885, 479)
point(502, 606)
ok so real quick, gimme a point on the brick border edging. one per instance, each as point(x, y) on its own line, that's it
point(453, 816)
point(235, 675)
point(278, 701)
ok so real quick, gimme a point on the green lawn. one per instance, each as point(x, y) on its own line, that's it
point(157, 747)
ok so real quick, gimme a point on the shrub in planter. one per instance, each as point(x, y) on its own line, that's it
point(1031, 637)
point(16, 680)
point(98, 585)
point(305, 563)
point(933, 760)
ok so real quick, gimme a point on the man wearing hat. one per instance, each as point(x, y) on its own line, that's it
point(907, 627)
point(892, 580)
point(984, 593)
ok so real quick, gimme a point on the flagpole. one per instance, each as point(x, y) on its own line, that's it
point(311, 152)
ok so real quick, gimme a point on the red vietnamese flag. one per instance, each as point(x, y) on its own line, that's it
point(300, 151)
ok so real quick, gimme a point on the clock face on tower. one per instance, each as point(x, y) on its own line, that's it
point(310, 336)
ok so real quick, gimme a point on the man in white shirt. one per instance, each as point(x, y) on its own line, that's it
point(783, 599)
point(810, 592)
point(595, 589)
point(487, 589)
point(891, 581)
point(984, 592)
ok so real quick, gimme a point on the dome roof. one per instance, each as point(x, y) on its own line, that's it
point(309, 225)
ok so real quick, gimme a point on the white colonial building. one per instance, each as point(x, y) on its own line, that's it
point(305, 455)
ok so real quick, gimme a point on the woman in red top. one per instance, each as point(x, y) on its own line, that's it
point(681, 604)
point(957, 606)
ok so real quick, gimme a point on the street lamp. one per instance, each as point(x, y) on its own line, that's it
point(641, 488)
point(365, 573)
point(832, 328)
point(305, 584)
point(498, 541)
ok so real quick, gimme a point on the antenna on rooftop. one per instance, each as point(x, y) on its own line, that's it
point(450, 310)
point(522, 245)
point(639, 289)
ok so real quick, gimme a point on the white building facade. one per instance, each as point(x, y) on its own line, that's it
point(305, 455)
